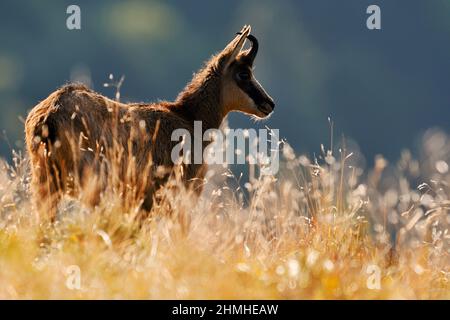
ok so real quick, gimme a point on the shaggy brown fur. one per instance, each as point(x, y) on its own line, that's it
point(71, 132)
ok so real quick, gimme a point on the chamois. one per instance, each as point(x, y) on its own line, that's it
point(68, 134)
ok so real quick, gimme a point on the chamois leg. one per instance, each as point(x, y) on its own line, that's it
point(149, 201)
point(147, 204)
point(92, 181)
point(151, 197)
point(47, 191)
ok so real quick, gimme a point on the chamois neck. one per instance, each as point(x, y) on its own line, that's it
point(201, 99)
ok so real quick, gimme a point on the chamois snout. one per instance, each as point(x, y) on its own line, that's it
point(264, 103)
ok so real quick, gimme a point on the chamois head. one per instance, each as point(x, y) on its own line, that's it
point(226, 83)
point(240, 90)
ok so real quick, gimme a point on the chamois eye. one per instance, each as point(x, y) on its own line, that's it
point(244, 75)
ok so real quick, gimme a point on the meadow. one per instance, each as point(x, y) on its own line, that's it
point(324, 227)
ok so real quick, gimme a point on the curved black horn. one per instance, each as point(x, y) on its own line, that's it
point(254, 50)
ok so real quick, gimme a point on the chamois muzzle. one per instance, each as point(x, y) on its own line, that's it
point(267, 106)
point(262, 99)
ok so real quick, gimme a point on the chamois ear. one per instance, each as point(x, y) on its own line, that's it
point(231, 51)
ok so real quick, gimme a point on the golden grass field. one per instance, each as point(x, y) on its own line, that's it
point(321, 229)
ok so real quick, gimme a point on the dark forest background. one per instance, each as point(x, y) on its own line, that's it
point(382, 88)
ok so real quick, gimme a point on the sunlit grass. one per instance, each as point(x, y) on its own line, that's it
point(321, 229)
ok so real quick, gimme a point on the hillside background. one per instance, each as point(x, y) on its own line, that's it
point(317, 59)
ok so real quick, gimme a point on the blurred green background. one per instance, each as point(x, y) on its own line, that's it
point(317, 59)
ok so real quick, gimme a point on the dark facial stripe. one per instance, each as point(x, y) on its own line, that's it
point(254, 90)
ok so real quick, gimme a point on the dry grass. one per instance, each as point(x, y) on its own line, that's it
point(312, 232)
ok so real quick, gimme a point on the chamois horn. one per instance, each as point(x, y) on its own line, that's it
point(254, 49)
